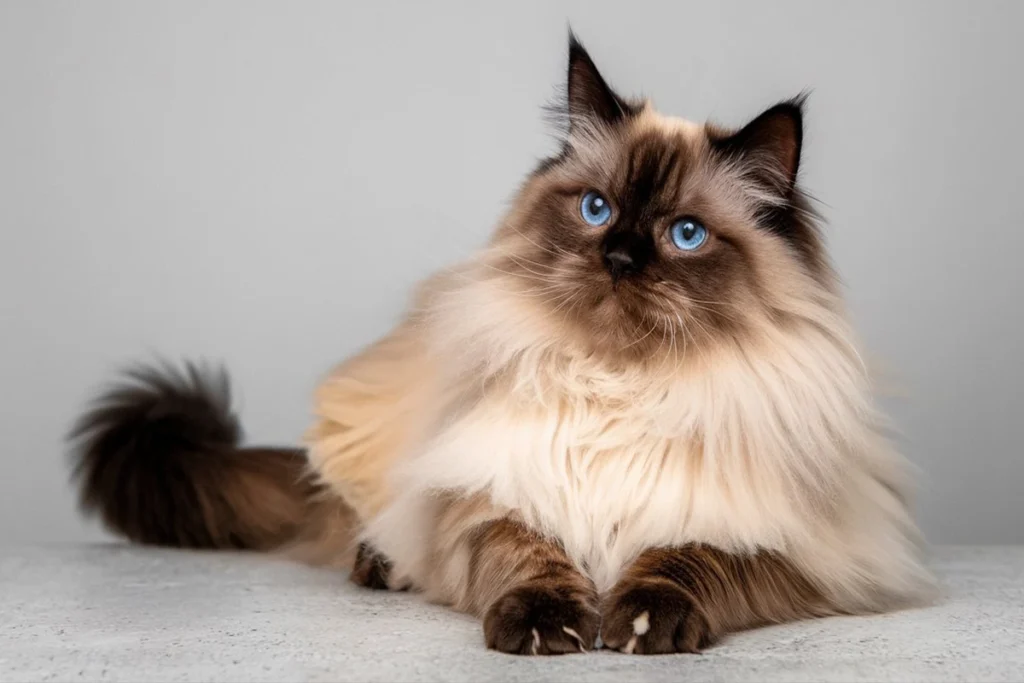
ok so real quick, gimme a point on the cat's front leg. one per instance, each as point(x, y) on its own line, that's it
point(532, 598)
point(684, 599)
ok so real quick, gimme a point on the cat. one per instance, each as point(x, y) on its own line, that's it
point(638, 412)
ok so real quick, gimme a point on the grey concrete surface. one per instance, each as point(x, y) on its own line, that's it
point(118, 613)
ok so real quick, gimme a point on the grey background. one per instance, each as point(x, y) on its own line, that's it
point(263, 182)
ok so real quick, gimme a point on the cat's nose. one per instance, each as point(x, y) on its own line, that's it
point(620, 262)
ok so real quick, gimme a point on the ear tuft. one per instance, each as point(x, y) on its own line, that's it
point(590, 99)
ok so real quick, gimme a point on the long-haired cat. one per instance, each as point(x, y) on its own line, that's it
point(639, 411)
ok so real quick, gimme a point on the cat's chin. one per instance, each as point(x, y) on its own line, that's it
point(622, 324)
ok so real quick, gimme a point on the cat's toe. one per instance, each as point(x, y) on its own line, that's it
point(541, 620)
point(654, 618)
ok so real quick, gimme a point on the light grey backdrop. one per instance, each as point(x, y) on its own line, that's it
point(263, 182)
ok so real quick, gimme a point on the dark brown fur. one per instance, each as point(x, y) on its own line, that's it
point(371, 569)
point(693, 595)
point(157, 457)
point(539, 592)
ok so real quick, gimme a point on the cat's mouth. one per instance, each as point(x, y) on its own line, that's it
point(624, 316)
point(631, 296)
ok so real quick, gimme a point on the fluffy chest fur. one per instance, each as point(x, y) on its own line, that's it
point(771, 445)
point(608, 487)
point(609, 477)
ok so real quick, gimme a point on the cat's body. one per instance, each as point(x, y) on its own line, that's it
point(611, 463)
point(667, 427)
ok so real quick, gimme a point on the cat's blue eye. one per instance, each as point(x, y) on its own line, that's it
point(595, 209)
point(688, 234)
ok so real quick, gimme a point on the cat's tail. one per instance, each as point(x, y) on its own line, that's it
point(157, 457)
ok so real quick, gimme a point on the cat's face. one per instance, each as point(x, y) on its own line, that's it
point(650, 233)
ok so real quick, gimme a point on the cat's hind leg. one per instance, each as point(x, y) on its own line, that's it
point(373, 570)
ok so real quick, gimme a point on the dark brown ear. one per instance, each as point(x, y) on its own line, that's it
point(590, 98)
point(770, 146)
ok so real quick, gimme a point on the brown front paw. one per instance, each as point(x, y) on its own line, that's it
point(653, 617)
point(371, 569)
point(541, 620)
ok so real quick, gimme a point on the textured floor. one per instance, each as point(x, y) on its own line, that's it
point(113, 613)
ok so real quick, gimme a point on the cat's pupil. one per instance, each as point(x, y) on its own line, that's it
point(689, 230)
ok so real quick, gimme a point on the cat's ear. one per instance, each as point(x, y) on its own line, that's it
point(769, 146)
point(590, 99)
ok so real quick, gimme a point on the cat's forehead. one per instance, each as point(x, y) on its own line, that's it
point(650, 147)
point(652, 160)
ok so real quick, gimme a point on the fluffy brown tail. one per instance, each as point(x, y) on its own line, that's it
point(158, 458)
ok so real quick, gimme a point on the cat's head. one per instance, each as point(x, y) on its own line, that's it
point(647, 230)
